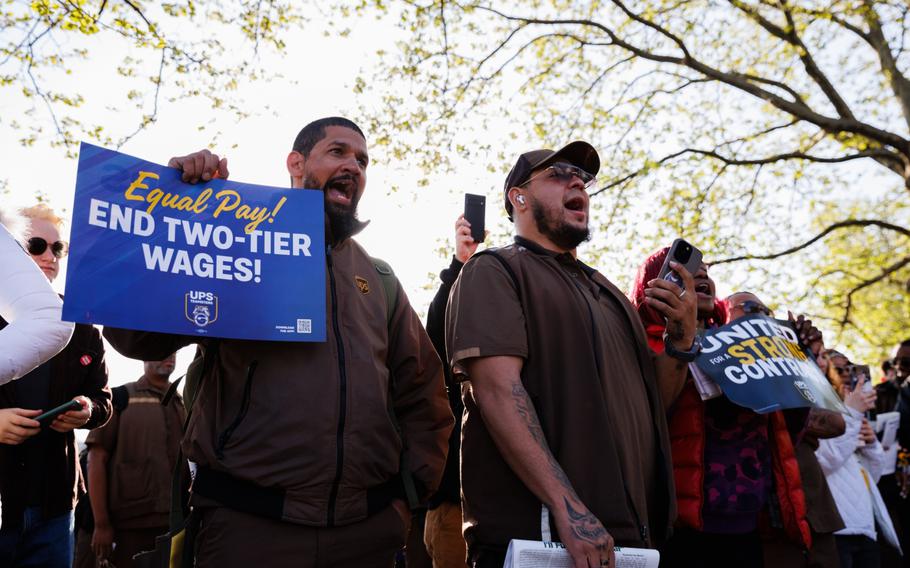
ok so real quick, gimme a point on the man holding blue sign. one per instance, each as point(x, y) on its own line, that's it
point(310, 449)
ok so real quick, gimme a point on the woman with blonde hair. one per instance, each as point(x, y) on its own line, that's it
point(31, 308)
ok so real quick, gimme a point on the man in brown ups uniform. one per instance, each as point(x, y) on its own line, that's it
point(130, 466)
point(564, 436)
point(300, 462)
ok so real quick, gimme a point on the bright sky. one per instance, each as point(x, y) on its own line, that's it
point(407, 227)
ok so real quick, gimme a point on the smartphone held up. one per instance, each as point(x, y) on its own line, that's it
point(684, 254)
point(475, 214)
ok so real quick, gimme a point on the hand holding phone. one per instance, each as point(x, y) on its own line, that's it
point(17, 425)
point(684, 254)
point(666, 294)
point(47, 418)
point(465, 246)
point(475, 213)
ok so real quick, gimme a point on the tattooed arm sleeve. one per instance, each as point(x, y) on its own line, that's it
point(512, 421)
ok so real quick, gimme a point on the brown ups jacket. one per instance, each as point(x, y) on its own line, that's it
point(143, 441)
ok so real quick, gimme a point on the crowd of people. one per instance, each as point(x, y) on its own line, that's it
point(579, 416)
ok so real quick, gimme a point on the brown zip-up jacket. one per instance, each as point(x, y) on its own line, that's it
point(316, 425)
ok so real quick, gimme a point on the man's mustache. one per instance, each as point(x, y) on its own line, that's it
point(338, 179)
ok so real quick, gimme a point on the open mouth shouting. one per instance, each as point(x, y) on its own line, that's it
point(341, 190)
point(704, 290)
point(577, 207)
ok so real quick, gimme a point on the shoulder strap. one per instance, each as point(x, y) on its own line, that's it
point(492, 252)
point(120, 398)
point(390, 287)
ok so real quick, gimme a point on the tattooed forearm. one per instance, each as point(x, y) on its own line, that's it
point(585, 526)
point(525, 409)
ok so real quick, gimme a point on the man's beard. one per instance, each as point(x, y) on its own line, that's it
point(342, 221)
point(560, 233)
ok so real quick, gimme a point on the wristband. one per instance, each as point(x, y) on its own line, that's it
point(687, 356)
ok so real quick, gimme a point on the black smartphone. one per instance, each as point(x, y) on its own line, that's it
point(686, 255)
point(49, 416)
point(475, 207)
point(857, 372)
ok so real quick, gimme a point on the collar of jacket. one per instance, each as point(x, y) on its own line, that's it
point(537, 249)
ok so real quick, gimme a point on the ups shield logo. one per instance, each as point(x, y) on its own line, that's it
point(362, 284)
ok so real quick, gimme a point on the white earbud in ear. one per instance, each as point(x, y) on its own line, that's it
point(521, 199)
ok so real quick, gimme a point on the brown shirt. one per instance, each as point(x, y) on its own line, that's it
point(591, 377)
point(143, 441)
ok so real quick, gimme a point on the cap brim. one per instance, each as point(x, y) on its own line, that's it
point(578, 153)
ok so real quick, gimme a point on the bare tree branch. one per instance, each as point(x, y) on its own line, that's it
point(848, 305)
point(828, 230)
point(743, 82)
point(876, 153)
point(797, 155)
point(790, 36)
point(139, 11)
point(146, 120)
point(899, 83)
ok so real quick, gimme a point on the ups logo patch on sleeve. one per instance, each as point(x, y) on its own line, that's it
point(362, 284)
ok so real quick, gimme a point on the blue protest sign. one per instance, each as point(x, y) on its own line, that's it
point(759, 363)
point(216, 259)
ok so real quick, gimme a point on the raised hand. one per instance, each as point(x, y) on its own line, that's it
point(200, 166)
point(680, 307)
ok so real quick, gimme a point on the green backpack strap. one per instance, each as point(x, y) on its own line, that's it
point(390, 287)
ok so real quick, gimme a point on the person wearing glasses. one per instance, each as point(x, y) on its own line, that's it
point(564, 436)
point(820, 508)
point(853, 464)
point(34, 331)
point(38, 464)
point(724, 456)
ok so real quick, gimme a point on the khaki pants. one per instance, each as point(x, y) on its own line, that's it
point(229, 538)
point(443, 537)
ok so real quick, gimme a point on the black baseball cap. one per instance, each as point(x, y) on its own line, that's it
point(577, 153)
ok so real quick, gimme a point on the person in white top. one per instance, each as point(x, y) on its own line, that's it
point(29, 305)
point(852, 464)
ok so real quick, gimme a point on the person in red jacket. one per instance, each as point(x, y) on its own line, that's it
point(733, 467)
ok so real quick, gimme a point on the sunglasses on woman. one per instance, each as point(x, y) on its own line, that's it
point(36, 247)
